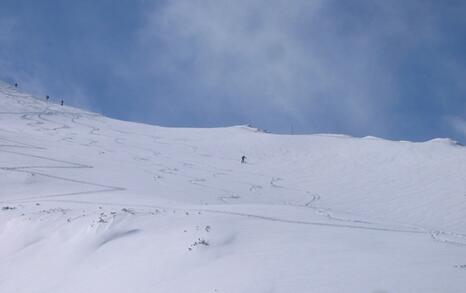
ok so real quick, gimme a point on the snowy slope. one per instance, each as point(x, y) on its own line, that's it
point(92, 204)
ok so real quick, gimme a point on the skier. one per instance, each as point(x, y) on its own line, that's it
point(61, 103)
point(47, 97)
point(243, 159)
point(16, 84)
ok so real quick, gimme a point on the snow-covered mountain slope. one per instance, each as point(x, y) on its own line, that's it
point(92, 204)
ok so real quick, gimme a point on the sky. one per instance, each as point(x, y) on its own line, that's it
point(393, 69)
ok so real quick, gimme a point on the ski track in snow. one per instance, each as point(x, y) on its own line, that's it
point(30, 169)
point(435, 235)
point(196, 181)
point(275, 182)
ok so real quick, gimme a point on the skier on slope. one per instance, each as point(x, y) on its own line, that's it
point(61, 103)
point(243, 159)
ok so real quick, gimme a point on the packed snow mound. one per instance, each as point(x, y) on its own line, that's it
point(93, 204)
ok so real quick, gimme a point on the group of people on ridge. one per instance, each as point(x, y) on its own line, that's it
point(47, 97)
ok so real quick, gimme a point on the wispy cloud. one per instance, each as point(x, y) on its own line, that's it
point(305, 59)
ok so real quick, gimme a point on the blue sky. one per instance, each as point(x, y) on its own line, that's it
point(394, 69)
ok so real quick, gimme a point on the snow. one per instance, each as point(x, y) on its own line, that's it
point(93, 204)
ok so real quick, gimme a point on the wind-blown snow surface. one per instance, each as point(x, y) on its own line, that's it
point(91, 204)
